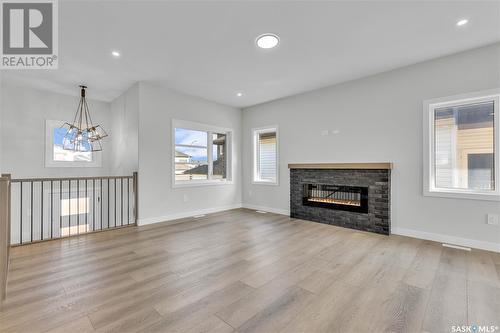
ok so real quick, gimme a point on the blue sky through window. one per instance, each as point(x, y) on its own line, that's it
point(197, 154)
point(60, 132)
point(63, 155)
point(192, 138)
point(59, 135)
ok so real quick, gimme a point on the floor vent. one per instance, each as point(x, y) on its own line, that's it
point(261, 212)
point(457, 247)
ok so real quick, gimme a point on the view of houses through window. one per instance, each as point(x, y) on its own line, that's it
point(219, 152)
point(200, 155)
point(464, 146)
point(191, 154)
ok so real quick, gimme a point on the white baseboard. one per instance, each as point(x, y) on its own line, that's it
point(183, 215)
point(267, 209)
point(488, 246)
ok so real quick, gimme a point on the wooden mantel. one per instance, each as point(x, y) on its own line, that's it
point(372, 166)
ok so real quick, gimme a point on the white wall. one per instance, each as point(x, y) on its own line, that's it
point(1, 118)
point(158, 201)
point(380, 119)
point(125, 129)
point(23, 130)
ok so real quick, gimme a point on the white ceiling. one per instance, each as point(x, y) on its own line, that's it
point(208, 48)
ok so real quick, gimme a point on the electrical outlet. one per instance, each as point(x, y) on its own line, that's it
point(250, 193)
point(186, 198)
point(492, 219)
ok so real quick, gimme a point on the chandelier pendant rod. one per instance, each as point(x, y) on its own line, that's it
point(80, 120)
point(76, 114)
point(87, 116)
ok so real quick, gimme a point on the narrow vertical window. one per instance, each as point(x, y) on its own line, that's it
point(266, 155)
point(219, 152)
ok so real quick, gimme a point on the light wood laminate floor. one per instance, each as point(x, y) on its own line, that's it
point(248, 272)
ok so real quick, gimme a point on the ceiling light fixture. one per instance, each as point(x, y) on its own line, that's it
point(115, 54)
point(267, 41)
point(82, 135)
point(462, 22)
point(239, 94)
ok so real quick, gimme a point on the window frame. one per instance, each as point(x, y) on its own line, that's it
point(255, 165)
point(195, 126)
point(50, 125)
point(429, 107)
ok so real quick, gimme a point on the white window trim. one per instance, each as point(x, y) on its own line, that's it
point(255, 132)
point(49, 151)
point(429, 188)
point(177, 123)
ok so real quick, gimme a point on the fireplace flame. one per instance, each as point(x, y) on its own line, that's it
point(336, 201)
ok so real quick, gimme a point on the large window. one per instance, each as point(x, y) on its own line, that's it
point(266, 155)
point(56, 156)
point(201, 154)
point(461, 154)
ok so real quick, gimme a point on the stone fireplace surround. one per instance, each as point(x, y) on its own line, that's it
point(375, 176)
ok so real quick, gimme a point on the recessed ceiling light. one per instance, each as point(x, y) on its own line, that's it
point(462, 22)
point(115, 54)
point(239, 94)
point(267, 41)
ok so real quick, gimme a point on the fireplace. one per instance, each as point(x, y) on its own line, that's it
point(349, 198)
point(351, 195)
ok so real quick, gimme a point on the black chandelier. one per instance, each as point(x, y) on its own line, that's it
point(82, 135)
